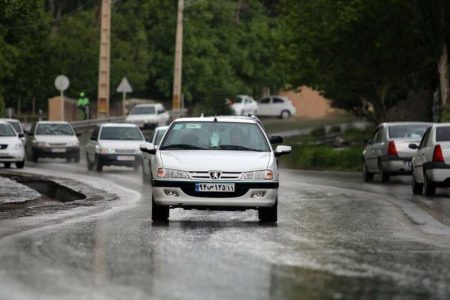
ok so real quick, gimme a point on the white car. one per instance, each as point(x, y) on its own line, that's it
point(114, 144)
point(431, 162)
point(146, 157)
point(244, 105)
point(387, 153)
point(53, 139)
point(11, 147)
point(17, 127)
point(276, 106)
point(216, 163)
point(148, 116)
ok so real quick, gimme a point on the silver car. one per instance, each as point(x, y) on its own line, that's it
point(146, 161)
point(387, 153)
point(221, 163)
point(431, 163)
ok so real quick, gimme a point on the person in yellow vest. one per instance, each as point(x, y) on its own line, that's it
point(83, 106)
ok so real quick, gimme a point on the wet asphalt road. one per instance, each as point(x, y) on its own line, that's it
point(336, 238)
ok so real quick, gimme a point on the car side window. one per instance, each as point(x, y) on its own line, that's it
point(278, 100)
point(94, 135)
point(376, 136)
point(425, 139)
point(264, 101)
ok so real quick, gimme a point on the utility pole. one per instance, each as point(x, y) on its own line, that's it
point(104, 63)
point(176, 95)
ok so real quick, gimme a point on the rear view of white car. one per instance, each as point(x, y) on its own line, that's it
point(11, 147)
point(431, 163)
point(276, 106)
point(387, 152)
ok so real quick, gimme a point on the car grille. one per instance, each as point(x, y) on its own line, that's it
point(125, 151)
point(57, 144)
point(224, 175)
point(3, 146)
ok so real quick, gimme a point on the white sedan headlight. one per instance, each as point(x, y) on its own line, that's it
point(107, 150)
point(258, 175)
point(171, 173)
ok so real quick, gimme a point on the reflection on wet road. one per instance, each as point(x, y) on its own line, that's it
point(336, 238)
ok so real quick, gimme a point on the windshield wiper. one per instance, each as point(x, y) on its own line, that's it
point(182, 147)
point(237, 147)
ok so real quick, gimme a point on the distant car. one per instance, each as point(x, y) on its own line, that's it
point(11, 147)
point(53, 139)
point(17, 127)
point(387, 153)
point(146, 157)
point(276, 106)
point(148, 116)
point(114, 144)
point(244, 105)
point(216, 163)
point(431, 162)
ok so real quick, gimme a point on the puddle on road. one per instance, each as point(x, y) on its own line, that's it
point(14, 192)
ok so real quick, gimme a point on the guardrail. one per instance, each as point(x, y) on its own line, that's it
point(93, 122)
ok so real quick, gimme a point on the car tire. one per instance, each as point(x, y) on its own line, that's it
point(268, 214)
point(417, 188)
point(90, 165)
point(20, 164)
point(285, 114)
point(367, 176)
point(98, 166)
point(384, 176)
point(159, 213)
point(7, 165)
point(428, 185)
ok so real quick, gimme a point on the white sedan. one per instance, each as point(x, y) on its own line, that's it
point(431, 163)
point(219, 163)
point(244, 105)
point(11, 147)
point(276, 106)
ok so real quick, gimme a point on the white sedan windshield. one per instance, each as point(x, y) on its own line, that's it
point(215, 136)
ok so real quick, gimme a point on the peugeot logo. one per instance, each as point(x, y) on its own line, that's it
point(214, 174)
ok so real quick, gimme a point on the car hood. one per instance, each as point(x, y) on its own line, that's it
point(121, 144)
point(9, 140)
point(134, 118)
point(217, 160)
point(56, 138)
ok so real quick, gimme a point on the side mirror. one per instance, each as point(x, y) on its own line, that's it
point(148, 148)
point(413, 146)
point(276, 139)
point(21, 135)
point(282, 150)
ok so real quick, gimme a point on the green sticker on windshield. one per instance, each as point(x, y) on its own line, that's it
point(215, 140)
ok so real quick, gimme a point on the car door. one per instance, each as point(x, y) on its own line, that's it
point(264, 106)
point(92, 144)
point(371, 155)
point(420, 158)
point(278, 105)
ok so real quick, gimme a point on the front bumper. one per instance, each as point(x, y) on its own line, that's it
point(182, 194)
point(12, 155)
point(57, 152)
point(127, 160)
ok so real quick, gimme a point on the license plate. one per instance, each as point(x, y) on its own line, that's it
point(214, 187)
point(58, 150)
point(125, 157)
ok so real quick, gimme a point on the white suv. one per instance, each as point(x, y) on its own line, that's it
point(221, 163)
point(276, 106)
point(148, 115)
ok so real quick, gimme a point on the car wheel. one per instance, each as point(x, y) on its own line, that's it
point(7, 165)
point(20, 164)
point(268, 214)
point(98, 167)
point(367, 176)
point(417, 188)
point(384, 176)
point(428, 185)
point(90, 165)
point(159, 213)
point(285, 114)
